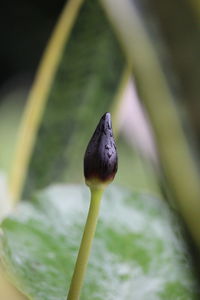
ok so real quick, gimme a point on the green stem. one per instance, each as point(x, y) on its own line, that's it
point(38, 96)
point(175, 153)
point(86, 243)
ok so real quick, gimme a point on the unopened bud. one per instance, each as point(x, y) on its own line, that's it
point(100, 161)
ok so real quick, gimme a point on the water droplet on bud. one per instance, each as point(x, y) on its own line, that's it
point(100, 161)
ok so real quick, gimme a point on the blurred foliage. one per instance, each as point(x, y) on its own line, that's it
point(156, 93)
point(86, 82)
point(138, 251)
point(179, 26)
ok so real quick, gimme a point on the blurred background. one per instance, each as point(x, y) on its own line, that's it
point(26, 27)
point(159, 147)
point(173, 27)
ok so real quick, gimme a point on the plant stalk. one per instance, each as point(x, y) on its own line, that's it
point(176, 157)
point(38, 96)
point(86, 243)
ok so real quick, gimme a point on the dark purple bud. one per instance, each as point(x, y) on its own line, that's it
point(100, 161)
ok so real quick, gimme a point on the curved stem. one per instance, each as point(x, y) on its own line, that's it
point(177, 159)
point(86, 243)
point(38, 97)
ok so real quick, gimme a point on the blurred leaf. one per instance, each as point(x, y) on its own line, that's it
point(83, 89)
point(138, 251)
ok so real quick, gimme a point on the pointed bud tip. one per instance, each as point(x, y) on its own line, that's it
point(100, 161)
point(106, 116)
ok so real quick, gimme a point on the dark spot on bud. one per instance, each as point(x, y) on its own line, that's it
point(100, 161)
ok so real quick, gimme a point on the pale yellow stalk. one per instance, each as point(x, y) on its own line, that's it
point(38, 97)
point(176, 157)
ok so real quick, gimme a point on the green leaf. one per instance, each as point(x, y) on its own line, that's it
point(83, 90)
point(138, 251)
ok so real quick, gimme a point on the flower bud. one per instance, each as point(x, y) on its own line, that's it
point(100, 161)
